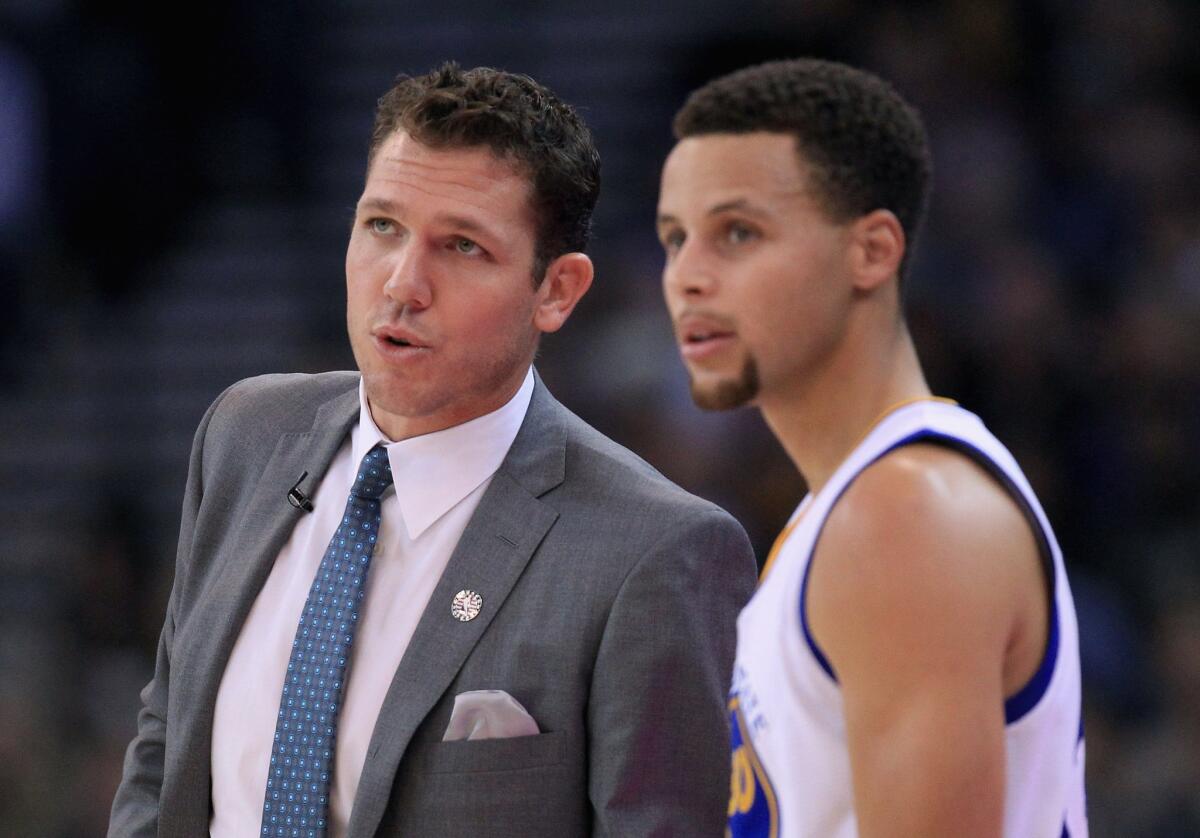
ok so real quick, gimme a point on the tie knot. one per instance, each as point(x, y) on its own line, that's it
point(374, 475)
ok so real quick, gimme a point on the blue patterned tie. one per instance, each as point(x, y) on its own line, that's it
point(297, 798)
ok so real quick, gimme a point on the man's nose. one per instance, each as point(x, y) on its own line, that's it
point(689, 274)
point(409, 280)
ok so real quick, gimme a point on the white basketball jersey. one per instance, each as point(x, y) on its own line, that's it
point(791, 767)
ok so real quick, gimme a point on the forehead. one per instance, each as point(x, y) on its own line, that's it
point(471, 178)
point(711, 168)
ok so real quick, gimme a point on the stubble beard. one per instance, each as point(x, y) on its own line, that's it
point(728, 393)
point(474, 381)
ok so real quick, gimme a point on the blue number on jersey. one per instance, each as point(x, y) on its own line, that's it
point(753, 811)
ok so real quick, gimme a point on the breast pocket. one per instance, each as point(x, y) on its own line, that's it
point(472, 756)
point(524, 787)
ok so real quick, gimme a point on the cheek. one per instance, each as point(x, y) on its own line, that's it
point(769, 289)
point(775, 304)
point(367, 256)
point(484, 319)
point(486, 322)
point(366, 274)
point(355, 273)
point(356, 249)
point(358, 298)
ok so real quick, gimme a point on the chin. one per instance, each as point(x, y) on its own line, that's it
point(401, 399)
point(727, 393)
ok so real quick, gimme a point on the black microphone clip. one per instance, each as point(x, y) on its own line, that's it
point(297, 498)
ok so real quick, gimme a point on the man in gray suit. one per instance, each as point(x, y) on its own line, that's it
point(536, 628)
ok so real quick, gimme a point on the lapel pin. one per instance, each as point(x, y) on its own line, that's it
point(466, 606)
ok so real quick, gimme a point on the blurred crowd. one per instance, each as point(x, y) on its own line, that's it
point(1056, 292)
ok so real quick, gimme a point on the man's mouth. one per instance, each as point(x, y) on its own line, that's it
point(705, 336)
point(699, 340)
point(398, 343)
point(398, 335)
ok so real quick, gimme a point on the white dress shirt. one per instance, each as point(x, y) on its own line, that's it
point(439, 480)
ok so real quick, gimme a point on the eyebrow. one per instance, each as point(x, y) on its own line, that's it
point(740, 204)
point(381, 204)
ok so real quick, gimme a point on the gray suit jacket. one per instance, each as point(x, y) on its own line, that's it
point(610, 600)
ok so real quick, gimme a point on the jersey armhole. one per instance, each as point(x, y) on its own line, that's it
point(1026, 698)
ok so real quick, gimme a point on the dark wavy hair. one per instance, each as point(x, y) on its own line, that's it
point(520, 121)
point(865, 146)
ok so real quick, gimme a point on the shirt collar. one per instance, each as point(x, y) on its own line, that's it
point(433, 472)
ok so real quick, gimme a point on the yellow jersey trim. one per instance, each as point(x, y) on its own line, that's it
point(759, 772)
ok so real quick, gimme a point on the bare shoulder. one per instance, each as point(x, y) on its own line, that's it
point(929, 544)
point(931, 497)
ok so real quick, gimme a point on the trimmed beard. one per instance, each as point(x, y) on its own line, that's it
point(730, 393)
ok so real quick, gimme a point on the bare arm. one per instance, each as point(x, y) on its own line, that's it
point(926, 595)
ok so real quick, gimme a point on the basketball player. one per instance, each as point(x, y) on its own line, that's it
point(909, 665)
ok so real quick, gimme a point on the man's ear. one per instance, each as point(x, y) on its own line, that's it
point(877, 248)
point(567, 279)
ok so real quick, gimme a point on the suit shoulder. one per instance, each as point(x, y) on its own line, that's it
point(256, 411)
point(281, 399)
point(605, 468)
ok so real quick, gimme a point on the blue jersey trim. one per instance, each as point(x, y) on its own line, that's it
point(818, 655)
point(1029, 695)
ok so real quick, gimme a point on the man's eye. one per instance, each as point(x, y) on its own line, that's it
point(465, 246)
point(381, 226)
point(673, 240)
point(739, 233)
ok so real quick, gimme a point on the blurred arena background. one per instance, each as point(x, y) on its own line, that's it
point(175, 193)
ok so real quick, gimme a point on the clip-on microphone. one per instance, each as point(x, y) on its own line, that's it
point(297, 498)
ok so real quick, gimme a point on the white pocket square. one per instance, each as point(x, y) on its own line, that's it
point(488, 714)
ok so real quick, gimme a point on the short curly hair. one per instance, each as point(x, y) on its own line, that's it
point(520, 121)
point(866, 147)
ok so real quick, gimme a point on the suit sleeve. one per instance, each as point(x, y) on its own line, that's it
point(135, 807)
point(657, 720)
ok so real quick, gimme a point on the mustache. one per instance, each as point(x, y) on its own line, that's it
point(720, 320)
point(393, 314)
point(395, 317)
point(685, 318)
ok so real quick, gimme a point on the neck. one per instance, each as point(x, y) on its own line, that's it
point(820, 421)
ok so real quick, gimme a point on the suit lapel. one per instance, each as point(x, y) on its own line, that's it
point(261, 533)
point(503, 534)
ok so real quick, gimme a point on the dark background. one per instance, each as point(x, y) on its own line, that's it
point(175, 193)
